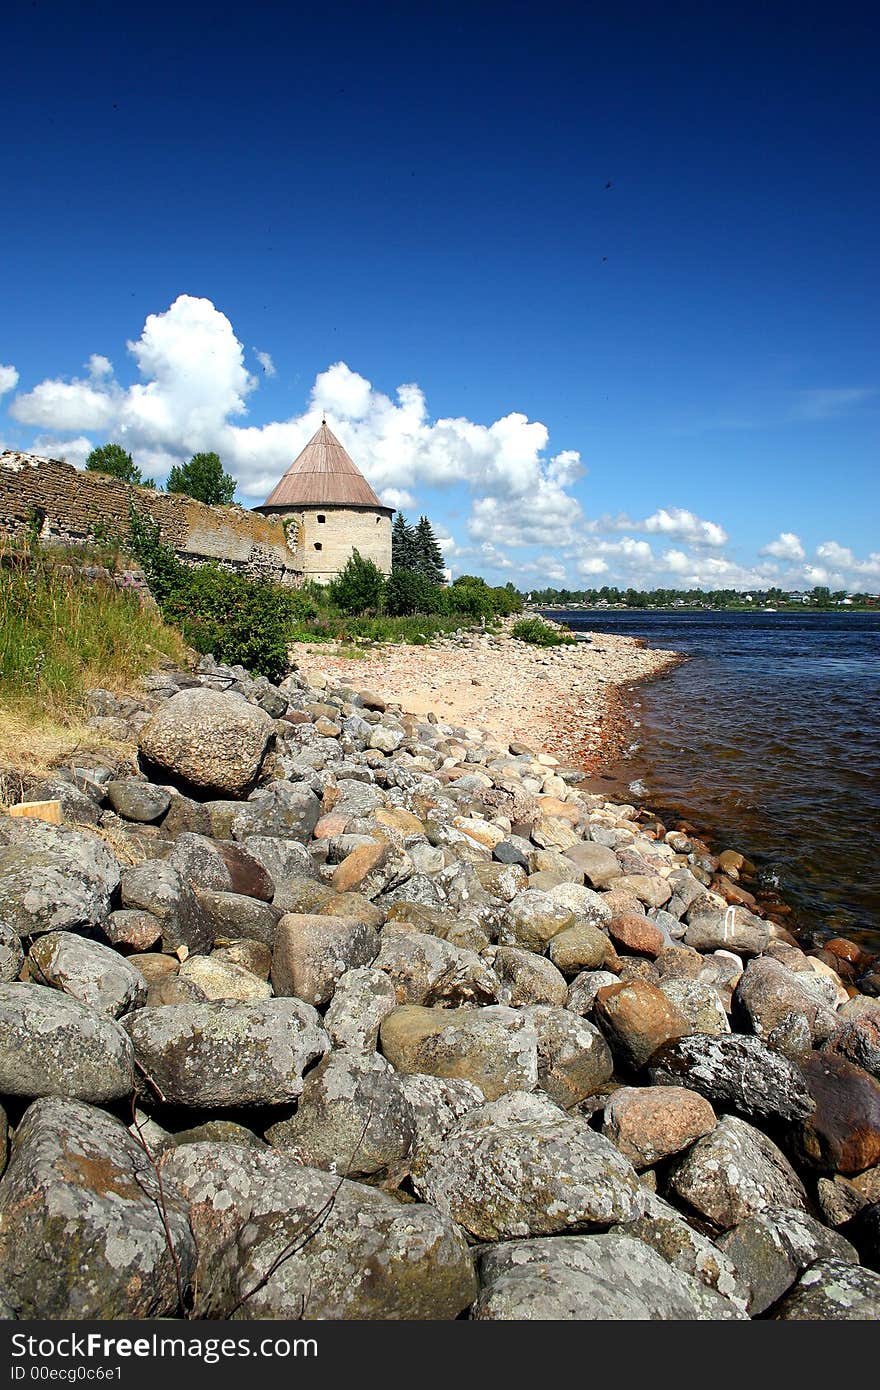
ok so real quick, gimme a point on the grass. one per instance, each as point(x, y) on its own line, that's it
point(540, 634)
point(61, 635)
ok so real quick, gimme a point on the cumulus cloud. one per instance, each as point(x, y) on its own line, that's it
point(99, 366)
point(787, 546)
point(8, 379)
point(74, 451)
point(397, 497)
point(265, 361)
point(676, 523)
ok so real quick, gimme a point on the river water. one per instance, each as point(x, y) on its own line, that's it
point(768, 741)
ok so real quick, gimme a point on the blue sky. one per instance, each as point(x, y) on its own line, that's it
point(218, 222)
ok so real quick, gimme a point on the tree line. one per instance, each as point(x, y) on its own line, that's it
point(202, 478)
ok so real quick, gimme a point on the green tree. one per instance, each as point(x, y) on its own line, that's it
point(359, 587)
point(203, 478)
point(821, 596)
point(403, 544)
point(428, 555)
point(112, 459)
point(408, 592)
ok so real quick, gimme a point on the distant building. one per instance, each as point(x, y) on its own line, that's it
point(329, 510)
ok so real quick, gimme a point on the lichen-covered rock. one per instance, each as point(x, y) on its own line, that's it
point(650, 1123)
point(312, 951)
point(574, 1060)
point(699, 1003)
point(831, 1291)
point(734, 1172)
point(52, 1045)
point(584, 990)
point(438, 1103)
point(214, 1056)
point(637, 1019)
point(215, 978)
point(11, 953)
point(94, 974)
point(857, 1038)
point(768, 991)
point(343, 1251)
point(521, 1166)
point(527, 979)
point(156, 887)
point(235, 917)
point(353, 1117)
point(285, 810)
point(81, 1221)
point(496, 1048)
point(773, 1247)
point(53, 878)
point(735, 1070)
point(427, 970)
point(680, 1245)
point(132, 929)
point(362, 998)
point(532, 919)
point(583, 946)
point(213, 740)
point(600, 1278)
point(282, 858)
point(599, 865)
point(137, 800)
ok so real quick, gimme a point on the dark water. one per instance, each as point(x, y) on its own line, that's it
point(768, 741)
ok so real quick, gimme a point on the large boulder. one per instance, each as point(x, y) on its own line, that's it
point(94, 974)
point(650, 1123)
point(52, 1045)
point(54, 879)
point(496, 1048)
point(574, 1060)
point(711, 927)
point(735, 1071)
point(212, 740)
point(352, 1118)
point(769, 991)
point(601, 1278)
point(155, 886)
point(637, 1019)
point(424, 969)
point(685, 1248)
point(832, 1291)
point(734, 1172)
point(525, 978)
point(362, 998)
point(277, 1240)
point(843, 1132)
point(773, 1247)
point(214, 1056)
point(312, 951)
point(521, 1166)
point(86, 1232)
point(221, 866)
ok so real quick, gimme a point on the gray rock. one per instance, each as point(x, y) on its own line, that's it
point(698, 1003)
point(137, 800)
point(156, 887)
point(737, 1071)
point(857, 1038)
point(11, 953)
point(438, 1103)
point(520, 1166)
point(686, 1249)
point(599, 865)
point(528, 979)
point(362, 999)
point(584, 988)
point(710, 927)
point(574, 1060)
point(211, 977)
point(131, 929)
point(734, 1172)
point(277, 1240)
point(82, 1234)
point(210, 739)
point(589, 907)
point(215, 1056)
point(52, 1045)
point(283, 810)
point(831, 1291)
point(768, 992)
point(353, 1118)
point(95, 975)
point(496, 1048)
point(427, 970)
point(532, 919)
point(220, 867)
point(773, 1247)
point(54, 879)
point(312, 952)
point(234, 916)
point(605, 1278)
point(77, 807)
point(282, 858)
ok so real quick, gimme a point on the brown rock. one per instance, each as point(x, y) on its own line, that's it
point(154, 966)
point(843, 1133)
point(637, 1018)
point(132, 929)
point(651, 1123)
point(350, 874)
point(330, 825)
point(637, 934)
point(312, 952)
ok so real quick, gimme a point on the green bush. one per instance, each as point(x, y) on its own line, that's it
point(359, 587)
point(407, 591)
point(540, 634)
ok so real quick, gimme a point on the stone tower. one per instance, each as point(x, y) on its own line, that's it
point(330, 510)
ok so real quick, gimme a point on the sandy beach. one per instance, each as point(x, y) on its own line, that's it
point(566, 701)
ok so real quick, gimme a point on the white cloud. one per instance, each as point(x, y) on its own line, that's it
point(398, 498)
point(265, 361)
point(787, 546)
point(825, 403)
point(99, 366)
point(74, 451)
point(675, 522)
point(8, 379)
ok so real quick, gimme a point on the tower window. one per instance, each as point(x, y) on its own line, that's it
point(321, 518)
point(318, 545)
point(378, 519)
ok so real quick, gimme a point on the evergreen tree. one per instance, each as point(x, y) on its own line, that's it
point(203, 478)
point(403, 544)
point(428, 555)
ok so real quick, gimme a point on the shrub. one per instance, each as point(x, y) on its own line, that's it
point(359, 587)
point(408, 592)
point(540, 634)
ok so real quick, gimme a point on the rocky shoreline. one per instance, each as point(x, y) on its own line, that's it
point(323, 1009)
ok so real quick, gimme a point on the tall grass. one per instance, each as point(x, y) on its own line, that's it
point(61, 634)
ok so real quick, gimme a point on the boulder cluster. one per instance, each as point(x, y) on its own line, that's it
point(326, 1011)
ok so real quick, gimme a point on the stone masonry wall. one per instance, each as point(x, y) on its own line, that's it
point(77, 506)
point(343, 530)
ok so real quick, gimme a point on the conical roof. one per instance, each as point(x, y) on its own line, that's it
point(323, 473)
